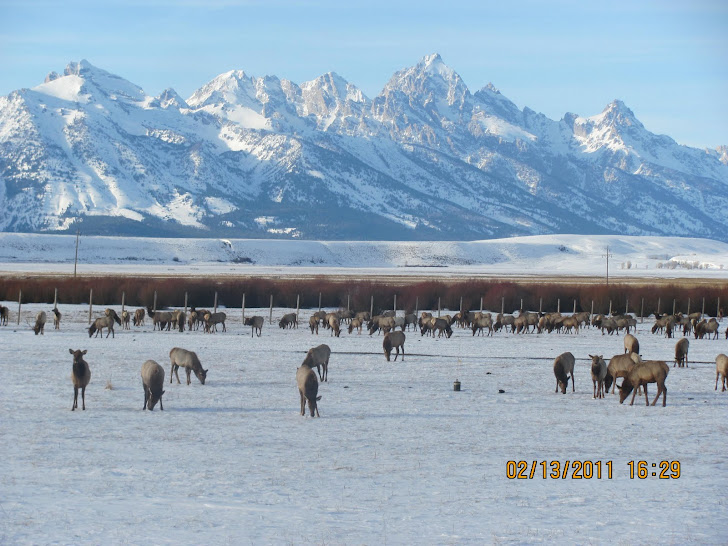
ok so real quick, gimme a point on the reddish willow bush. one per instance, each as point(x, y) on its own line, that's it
point(508, 295)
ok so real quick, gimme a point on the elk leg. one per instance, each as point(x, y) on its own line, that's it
point(647, 400)
point(659, 391)
point(573, 388)
point(303, 402)
point(188, 370)
point(75, 398)
point(83, 398)
point(146, 396)
point(634, 392)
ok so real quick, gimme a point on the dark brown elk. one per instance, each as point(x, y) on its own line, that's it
point(80, 377)
point(4, 315)
point(313, 323)
point(182, 358)
point(288, 321)
point(153, 383)
point(138, 319)
point(308, 390)
point(681, 352)
point(647, 371)
point(563, 368)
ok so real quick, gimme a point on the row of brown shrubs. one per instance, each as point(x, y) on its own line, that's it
point(139, 291)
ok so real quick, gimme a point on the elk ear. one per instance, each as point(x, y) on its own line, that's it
point(318, 398)
point(207, 370)
point(70, 351)
point(84, 351)
point(162, 393)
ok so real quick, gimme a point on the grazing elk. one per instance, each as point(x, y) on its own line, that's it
point(393, 340)
point(563, 368)
point(40, 320)
point(182, 358)
point(256, 324)
point(333, 322)
point(288, 321)
point(721, 369)
point(98, 325)
point(56, 319)
point(308, 389)
point(80, 377)
point(647, 371)
point(4, 315)
point(598, 373)
point(318, 357)
point(681, 352)
point(355, 324)
point(212, 320)
point(153, 383)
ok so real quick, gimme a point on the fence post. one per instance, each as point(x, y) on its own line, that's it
point(395, 305)
point(20, 299)
point(55, 298)
point(521, 309)
point(626, 307)
point(123, 301)
point(702, 312)
point(540, 305)
point(185, 303)
point(673, 306)
point(215, 305)
point(642, 311)
point(270, 312)
point(348, 299)
point(688, 306)
point(90, 304)
point(320, 301)
point(574, 311)
point(717, 310)
point(558, 305)
point(243, 307)
point(417, 305)
point(298, 305)
point(503, 304)
point(154, 307)
point(610, 308)
point(481, 304)
point(461, 306)
point(658, 307)
point(371, 308)
point(438, 306)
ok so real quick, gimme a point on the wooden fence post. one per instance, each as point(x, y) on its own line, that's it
point(348, 300)
point(574, 311)
point(658, 308)
point(540, 305)
point(90, 304)
point(521, 309)
point(503, 304)
point(610, 308)
point(558, 305)
point(371, 308)
point(319, 301)
point(20, 299)
point(123, 301)
point(592, 311)
point(417, 305)
point(673, 306)
point(688, 306)
point(461, 306)
point(154, 307)
point(185, 303)
point(626, 307)
point(702, 312)
point(481, 304)
point(642, 311)
point(243, 307)
point(55, 298)
point(298, 305)
point(215, 305)
point(395, 305)
point(438, 306)
point(270, 312)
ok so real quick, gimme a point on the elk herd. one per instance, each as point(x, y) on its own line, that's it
point(635, 373)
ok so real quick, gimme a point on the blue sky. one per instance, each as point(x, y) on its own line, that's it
point(667, 60)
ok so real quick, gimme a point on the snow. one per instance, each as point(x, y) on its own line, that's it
point(396, 457)
point(570, 255)
point(499, 127)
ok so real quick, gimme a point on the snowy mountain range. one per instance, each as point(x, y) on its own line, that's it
point(426, 159)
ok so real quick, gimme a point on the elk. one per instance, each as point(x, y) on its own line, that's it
point(647, 371)
point(598, 373)
point(563, 367)
point(308, 389)
point(631, 345)
point(721, 368)
point(56, 319)
point(80, 377)
point(256, 323)
point(619, 366)
point(125, 318)
point(182, 358)
point(4, 315)
point(681, 352)
point(318, 357)
point(98, 325)
point(139, 317)
point(40, 320)
point(393, 340)
point(313, 323)
point(153, 383)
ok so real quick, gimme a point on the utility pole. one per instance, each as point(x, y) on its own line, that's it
point(75, 261)
point(607, 256)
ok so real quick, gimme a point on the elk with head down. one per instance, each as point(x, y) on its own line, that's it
point(318, 357)
point(563, 368)
point(313, 323)
point(619, 366)
point(153, 384)
point(182, 358)
point(308, 390)
point(40, 320)
point(681, 352)
point(631, 345)
point(138, 319)
point(288, 321)
point(641, 374)
point(98, 325)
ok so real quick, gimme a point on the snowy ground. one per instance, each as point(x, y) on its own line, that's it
point(563, 255)
point(397, 456)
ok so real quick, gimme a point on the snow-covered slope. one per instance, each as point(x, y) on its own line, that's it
point(426, 159)
point(542, 255)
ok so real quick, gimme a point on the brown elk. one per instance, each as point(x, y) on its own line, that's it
point(647, 371)
point(153, 383)
point(308, 389)
point(681, 352)
point(80, 377)
point(393, 340)
point(721, 368)
point(598, 373)
point(318, 357)
point(182, 358)
point(56, 318)
point(563, 368)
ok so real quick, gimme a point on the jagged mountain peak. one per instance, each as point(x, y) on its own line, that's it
point(169, 97)
point(430, 78)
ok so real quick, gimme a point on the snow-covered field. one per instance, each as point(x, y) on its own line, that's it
point(397, 456)
point(583, 255)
